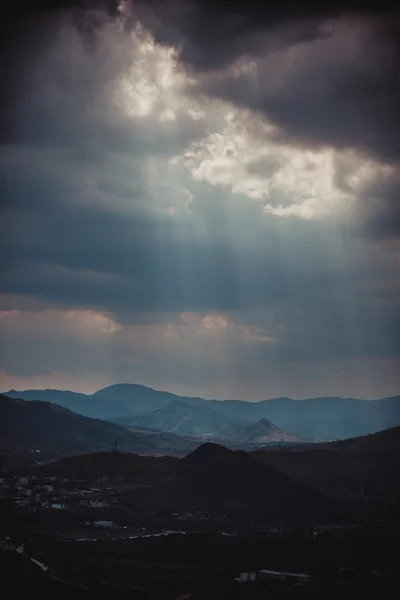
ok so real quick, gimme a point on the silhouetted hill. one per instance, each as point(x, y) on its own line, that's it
point(382, 442)
point(207, 453)
point(56, 431)
point(367, 465)
point(221, 481)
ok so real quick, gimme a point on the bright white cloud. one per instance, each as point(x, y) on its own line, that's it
point(243, 158)
point(153, 86)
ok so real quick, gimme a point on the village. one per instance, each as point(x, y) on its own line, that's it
point(76, 506)
point(34, 492)
point(75, 531)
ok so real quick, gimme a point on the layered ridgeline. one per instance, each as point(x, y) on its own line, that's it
point(272, 481)
point(45, 430)
point(181, 418)
point(205, 423)
point(42, 430)
point(315, 419)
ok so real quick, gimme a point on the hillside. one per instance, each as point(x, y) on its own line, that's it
point(112, 465)
point(119, 400)
point(382, 442)
point(212, 479)
point(318, 419)
point(221, 481)
point(54, 431)
point(181, 419)
point(367, 465)
point(257, 434)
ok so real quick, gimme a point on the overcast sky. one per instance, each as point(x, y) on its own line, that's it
point(200, 202)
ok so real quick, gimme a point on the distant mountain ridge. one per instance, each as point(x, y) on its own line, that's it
point(182, 419)
point(318, 419)
point(257, 434)
point(50, 431)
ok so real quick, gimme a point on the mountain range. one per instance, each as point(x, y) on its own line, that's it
point(316, 419)
point(182, 419)
point(47, 430)
point(295, 481)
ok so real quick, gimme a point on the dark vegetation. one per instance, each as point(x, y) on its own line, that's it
point(297, 510)
point(367, 466)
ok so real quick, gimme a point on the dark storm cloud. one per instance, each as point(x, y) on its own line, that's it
point(339, 89)
point(343, 89)
point(345, 101)
point(210, 34)
point(378, 214)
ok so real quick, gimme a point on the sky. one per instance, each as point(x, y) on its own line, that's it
point(202, 201)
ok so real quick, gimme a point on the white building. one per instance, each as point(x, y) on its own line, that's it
point(104, 524)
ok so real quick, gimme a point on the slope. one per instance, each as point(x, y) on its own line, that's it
point(220, 481)
point(56, 431)
point(367, 465)
point(257, 434)
point(211, 479)
point(182, 419)
point(112, 465)
point(319, 419)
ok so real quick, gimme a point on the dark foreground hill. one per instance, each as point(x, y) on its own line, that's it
point(366, 466)
point(220, 481)
point(211, 479)
point(382, 442)
point(113, 466)
point(49, 431)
